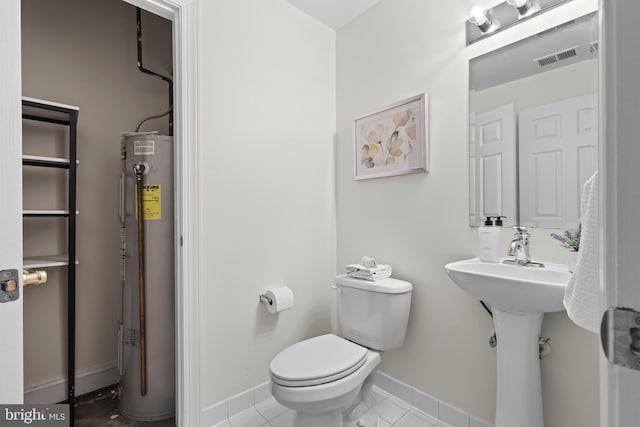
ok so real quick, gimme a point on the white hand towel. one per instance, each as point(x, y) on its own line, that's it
point(359, 271)
point(364, 269)
point(582, 295)
point(368, 262)
point(376, 275)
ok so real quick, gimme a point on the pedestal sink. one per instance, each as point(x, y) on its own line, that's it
point(519, 296)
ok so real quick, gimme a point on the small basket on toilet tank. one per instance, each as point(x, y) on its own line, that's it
point(373, 314)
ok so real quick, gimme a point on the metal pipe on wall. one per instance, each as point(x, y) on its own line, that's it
point(139, 169)
point(152, 73)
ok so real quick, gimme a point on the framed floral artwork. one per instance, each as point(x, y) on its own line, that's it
point(393, 140)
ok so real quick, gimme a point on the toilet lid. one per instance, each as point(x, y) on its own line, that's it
point(316, 361)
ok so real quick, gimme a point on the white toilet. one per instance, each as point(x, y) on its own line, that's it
point(327, 380)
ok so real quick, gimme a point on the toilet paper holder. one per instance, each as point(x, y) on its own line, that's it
point(265, 299)
point(277, 299)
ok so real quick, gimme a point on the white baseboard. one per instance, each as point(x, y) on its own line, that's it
point(447, 415)
point(86, 382)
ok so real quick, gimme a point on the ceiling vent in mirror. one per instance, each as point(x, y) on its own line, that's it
point(566, 54)
point(556, 57)
point(546, 60)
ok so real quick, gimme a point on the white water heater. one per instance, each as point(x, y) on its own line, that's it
point(147, 385)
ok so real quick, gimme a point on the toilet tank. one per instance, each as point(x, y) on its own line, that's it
point(373, 314)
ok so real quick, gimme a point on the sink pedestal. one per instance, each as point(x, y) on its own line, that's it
point(519, 393)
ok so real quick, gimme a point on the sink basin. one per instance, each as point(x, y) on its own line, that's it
point(512, 288)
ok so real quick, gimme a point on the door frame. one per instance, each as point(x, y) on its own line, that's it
point(619, 154)
point(184, 15)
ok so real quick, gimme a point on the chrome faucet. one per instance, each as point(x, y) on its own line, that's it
point(519, 249)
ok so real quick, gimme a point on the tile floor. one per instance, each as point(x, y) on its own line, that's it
point(391, 411)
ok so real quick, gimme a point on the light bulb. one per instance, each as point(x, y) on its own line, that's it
point(524, 7)
point(478, 17)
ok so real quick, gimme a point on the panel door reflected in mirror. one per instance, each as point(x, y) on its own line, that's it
point(492, 164)
point(557, 155)
point(533, 127)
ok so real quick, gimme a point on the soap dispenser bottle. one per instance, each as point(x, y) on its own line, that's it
point(489, 237)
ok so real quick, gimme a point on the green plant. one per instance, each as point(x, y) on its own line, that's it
point(570, 239)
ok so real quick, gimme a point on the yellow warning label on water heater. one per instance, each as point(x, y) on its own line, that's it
point(151, 202)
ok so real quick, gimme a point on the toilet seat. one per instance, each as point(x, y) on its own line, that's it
point(317, 360)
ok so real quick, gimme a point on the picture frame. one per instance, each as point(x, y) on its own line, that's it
point(393, 140)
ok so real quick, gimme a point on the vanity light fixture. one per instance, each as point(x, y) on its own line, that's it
point(479, 17)
point(483, 22)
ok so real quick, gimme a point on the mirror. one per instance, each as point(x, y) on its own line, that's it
point(533, 127)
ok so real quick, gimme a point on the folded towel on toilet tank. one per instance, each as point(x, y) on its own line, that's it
point(368, 269)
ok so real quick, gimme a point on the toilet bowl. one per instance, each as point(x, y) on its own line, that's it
point(326, 380)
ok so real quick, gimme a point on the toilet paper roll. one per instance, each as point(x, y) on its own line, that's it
point(278, 299)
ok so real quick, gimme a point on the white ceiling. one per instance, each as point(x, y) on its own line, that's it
point(334, 13)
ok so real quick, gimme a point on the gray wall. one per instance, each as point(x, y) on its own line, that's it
point(83, 52)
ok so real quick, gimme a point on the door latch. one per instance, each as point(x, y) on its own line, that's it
point(620, 337)
point(9, 285)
